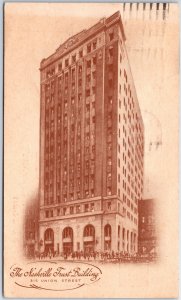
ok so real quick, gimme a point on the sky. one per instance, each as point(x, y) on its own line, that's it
point(33, 32)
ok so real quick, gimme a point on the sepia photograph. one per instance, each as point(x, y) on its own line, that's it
point(91, 118)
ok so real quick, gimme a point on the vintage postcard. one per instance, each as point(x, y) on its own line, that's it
point(91, 150)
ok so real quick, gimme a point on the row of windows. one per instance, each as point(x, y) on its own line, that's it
point(72, 170)
point(148, 219)
point(87, 49)
point(89, 147)
point(109, 132)
point(69, 61)
point(88, 136)
point(129, 216)
point(130, 147)
point(73, 209)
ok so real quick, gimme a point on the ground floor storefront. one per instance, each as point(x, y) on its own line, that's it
point(87, 235)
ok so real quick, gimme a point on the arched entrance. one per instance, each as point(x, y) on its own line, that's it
point(67, 239)
point(49, 240)
point(89, 239)
point(107, 237)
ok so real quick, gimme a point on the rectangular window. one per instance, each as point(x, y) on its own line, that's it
point(120, 57)
point(109, 191)
point(111, 36)
point(94, 44)
point(71, 210)
point(143, 219)
point(66, 63)
point(109, 205)
point(81, 53)
point(92, 192)
point(73, 59)
point(94, 60)
point(86, 207)
point(78, 209)
point(88, 93)
point(88, 48)
point(92, 207)
point(89, 63)
point(60, 66)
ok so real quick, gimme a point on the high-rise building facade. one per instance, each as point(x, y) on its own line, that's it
point(92, 144)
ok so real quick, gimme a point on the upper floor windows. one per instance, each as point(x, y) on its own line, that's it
point(78, 209)
point(120, 58)
point(60, 66)
point(80, 53)
point(125, 76)
point(66, 62)
point(73, 75)
point(109, 205)
point(50, 72)
point(111, 36)
point(94, 44)
point(80, 70)
point(88, 63)
point(94, 60)
point(74, 59)
point(88, 48)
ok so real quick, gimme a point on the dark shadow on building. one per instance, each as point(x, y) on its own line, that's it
point(31, 228)
point(147, 236)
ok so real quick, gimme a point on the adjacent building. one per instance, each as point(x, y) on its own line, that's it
point(92, 144)
point(147, 234)
point(31, 226)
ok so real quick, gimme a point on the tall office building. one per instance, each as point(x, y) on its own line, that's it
point(92, 144)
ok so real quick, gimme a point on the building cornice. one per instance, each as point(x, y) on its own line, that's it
point(78, 39)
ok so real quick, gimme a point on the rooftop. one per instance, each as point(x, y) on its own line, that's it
point(77, 39)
